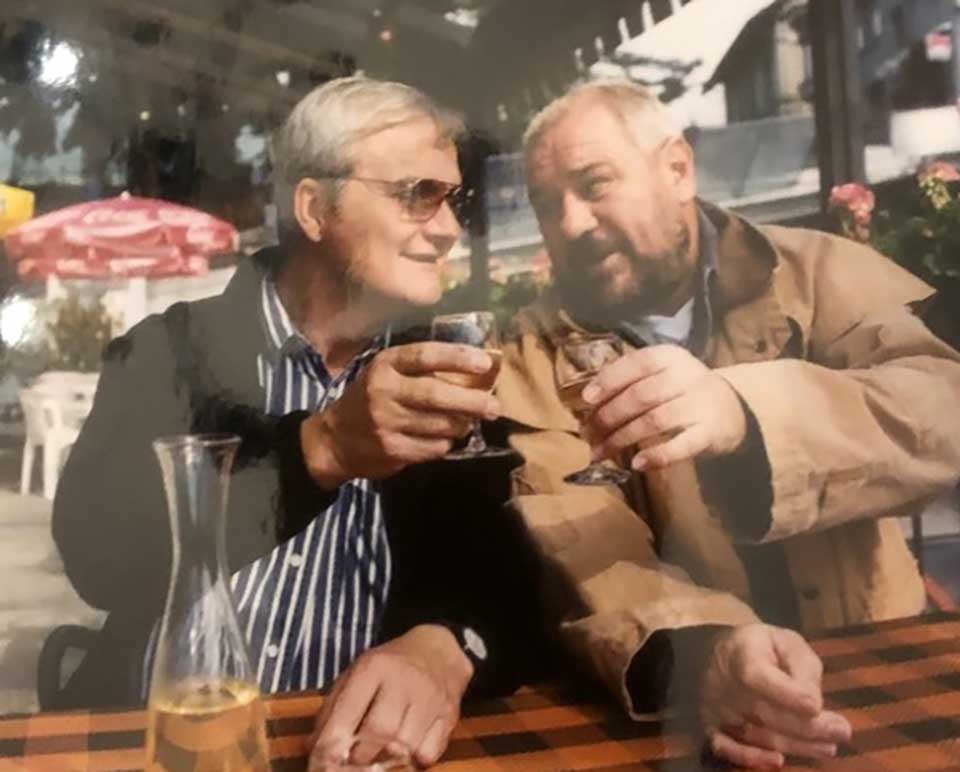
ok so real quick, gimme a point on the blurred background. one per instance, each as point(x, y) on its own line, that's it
point(119, 116)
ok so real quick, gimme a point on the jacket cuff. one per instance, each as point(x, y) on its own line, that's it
point(737, 487)
point(495, 672)
point(667, 672)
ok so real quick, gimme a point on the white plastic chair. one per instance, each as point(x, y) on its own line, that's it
point(35, 430)
point(52, 418)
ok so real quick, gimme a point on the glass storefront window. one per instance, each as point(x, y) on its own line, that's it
point(163, 115)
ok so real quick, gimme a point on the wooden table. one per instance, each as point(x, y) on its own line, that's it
point(898, 683)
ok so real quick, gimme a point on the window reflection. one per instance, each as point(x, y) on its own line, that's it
point(179, 102)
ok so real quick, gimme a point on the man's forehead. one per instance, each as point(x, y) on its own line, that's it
point(567, 156)
point(410, 145)
point(591, 133)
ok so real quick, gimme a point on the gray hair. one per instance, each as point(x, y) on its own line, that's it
point(319, 136)
point(644, 116)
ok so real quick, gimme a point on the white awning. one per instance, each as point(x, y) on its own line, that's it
point(698, 35)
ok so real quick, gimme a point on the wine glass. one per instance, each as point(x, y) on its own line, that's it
point(478, 329)
point(339, 755)
point(583, 357)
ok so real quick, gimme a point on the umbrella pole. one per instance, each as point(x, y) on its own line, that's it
point(55, 288)
point(136, 301)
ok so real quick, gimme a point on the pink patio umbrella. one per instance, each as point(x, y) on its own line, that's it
point(118, 238)
point(124, 237)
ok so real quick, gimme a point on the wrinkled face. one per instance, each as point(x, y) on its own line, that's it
point(387, 253)
point(614, 217)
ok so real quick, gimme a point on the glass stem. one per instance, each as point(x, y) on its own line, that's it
point(476, 443)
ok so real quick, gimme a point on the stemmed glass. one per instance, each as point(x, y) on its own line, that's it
point(478, 329)
point(339, 756)
point(583, 357)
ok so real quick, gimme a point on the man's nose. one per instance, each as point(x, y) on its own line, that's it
point(576, 218)
point(443, 229)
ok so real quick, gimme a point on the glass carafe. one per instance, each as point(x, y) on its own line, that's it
point(204, 711)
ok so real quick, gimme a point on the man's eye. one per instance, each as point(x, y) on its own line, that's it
point(596, 187)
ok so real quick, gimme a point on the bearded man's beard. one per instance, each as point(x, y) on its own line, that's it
point(654, 279)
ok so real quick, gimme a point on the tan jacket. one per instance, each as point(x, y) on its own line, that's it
point(856, 402)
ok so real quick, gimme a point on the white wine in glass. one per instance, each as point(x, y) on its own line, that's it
point(337, 755)
point(584, 357)
point(477, 329)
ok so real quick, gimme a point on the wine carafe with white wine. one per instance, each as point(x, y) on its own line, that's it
point(204, 711)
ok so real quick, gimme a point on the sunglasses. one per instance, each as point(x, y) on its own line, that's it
point(422, 198)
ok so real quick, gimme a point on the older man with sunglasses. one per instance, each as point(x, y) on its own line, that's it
point(296, 357)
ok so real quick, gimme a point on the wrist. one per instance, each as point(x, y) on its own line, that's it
point(738, 425)
point(446, 649)
point(319, 453)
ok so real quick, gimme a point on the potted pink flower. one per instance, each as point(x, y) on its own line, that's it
point(918, 226)
point(853, 204)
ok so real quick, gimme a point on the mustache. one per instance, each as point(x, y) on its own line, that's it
point(591, 247)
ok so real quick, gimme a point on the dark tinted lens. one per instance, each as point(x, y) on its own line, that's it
point(426, 197)
point(461, 200)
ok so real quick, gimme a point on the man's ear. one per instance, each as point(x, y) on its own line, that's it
point(680, 169)
point(309, 208)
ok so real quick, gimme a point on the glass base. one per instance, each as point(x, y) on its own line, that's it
point(598, 474)
point(336, 756)
point(467, 452)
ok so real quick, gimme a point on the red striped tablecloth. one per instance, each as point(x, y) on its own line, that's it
point(898, 683)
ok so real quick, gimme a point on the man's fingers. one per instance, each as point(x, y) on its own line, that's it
point(349, 704)
point(434, 356)
point(772, 685)
point(797, 657)
point(628, 369)
point(326, 709)
point(678, 446)
point(435, 395)
point(434, 742)
point(831, 727)
point(634, 401)
point(742, 755)
point(381, 724)
point(424, 714)
point(656, 426)
point(764, 737)
point(826, 727)
point(433, 425)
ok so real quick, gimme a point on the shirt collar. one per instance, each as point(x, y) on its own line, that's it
point(644, 331)
point(284, 340)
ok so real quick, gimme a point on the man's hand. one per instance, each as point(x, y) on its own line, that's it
point(406, 692)
point(397, 413)
point(761, 699)
point(667, 402)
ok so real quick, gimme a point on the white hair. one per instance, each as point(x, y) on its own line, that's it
point(644, 116)
point(319, 137)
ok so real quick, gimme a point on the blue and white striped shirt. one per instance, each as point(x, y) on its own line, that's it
point(313, 604)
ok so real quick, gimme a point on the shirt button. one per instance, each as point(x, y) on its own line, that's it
point(810, 593)
point(760, 347)
point(295, 560)
point(273, 650)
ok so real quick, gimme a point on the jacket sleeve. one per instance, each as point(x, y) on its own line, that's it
point(460, 557)
point(868, 425)
point(605, 586)
point(110, 518)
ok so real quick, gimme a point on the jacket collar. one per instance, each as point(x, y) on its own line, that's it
point(749, 284)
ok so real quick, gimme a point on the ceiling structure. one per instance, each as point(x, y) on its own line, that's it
point(256, 55)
